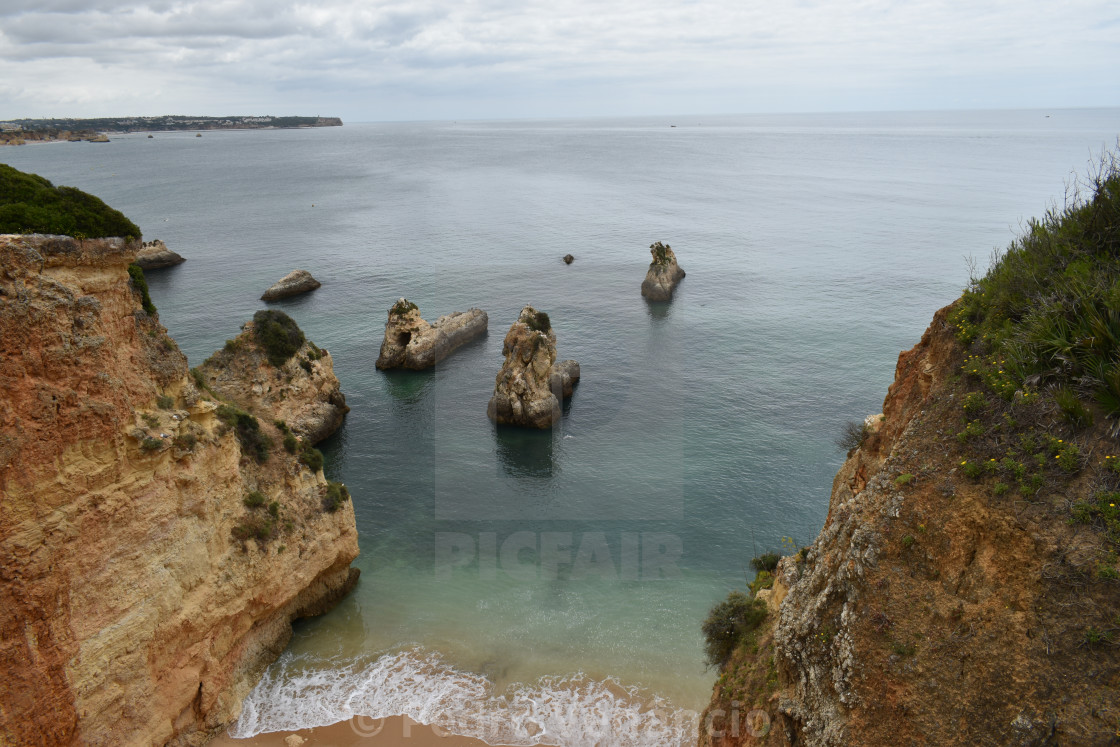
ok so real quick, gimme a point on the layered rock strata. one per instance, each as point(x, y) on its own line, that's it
point(141, 595)
point(663, 275)
point(410, 342)
point(529, 387)
point(155, 254)
point(292, 284)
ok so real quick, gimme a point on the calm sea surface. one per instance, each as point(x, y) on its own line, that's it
point(549, 588)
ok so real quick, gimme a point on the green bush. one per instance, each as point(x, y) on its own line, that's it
point(140, 285)
point(31, 204)
point(402, 307)
point(766, 562)
point(254, 499)
point(903, 479)
point(164, 402)
point(258, 527)
point(851, 436)
point(186, 441)
point(151, 444)
point(1073, 409)
point(539, 322)
point(1048, 310)
point(974, 402)
point(335, 495)
point(730, 623)
point(311, 456)
point(278, 335)
point(253, 441)
point(291, 443)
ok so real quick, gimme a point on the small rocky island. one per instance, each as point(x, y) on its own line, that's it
point(410, 342)
point(155, 254)
point(292, 284)
point(663, 275)
point(529, 388)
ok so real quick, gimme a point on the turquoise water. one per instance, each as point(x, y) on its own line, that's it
point(552, 583)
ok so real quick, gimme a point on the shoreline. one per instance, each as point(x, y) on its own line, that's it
point(387, 732)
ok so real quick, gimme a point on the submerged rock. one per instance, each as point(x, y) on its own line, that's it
point(568, 259)
point(663, 275)
point(155, 254)
point(411, 342)
point(292, 284)
point(528, 389)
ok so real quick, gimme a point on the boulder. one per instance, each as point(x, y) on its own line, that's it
point(529, 387)
point(155, 254)
point(410, 342)
point(568, 259)
point(292, 284)
point(663, 275)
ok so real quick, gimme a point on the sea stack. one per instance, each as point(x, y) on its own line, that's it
point(530, 386)
point(568, 259)
point(155, 254)
point(663, 275)
point(292, 284)
point(410, 342)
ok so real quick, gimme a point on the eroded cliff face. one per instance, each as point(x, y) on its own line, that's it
point(130, 612)
point(949, 598)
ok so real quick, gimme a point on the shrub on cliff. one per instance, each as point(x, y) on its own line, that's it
point(140, 285)
point(253, 441)
point(31, 204)
point(1048, 310)
point(730, 623)
point(278, 335)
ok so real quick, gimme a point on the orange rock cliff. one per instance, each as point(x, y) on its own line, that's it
point(943, 603)
point(150, 565)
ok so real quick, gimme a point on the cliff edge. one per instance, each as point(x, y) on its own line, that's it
point(963, 589)
point(155, 544)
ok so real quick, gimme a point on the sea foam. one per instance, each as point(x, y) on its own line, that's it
point(296, 693)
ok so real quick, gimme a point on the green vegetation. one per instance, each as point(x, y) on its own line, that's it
point(729, 624)
point(539, 322)
point(256, 526)
point(186, 441)
point(291, 443)
point(254, 499)
point(31, 204)
point(140, 285)
point(1047, 313)
point(660, 253)
point(150, 444)
point(253, 441)
point(402, 307)
point(335, 495)
point(165, 402)
point(903, 479)
point(311, 456)
point(278, 335)
point(766, 562)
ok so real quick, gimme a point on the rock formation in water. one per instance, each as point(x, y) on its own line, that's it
point(301, 390)
point(663, 275)
point(530, 386)
point(292, 284)
point(568, 259)
point(410, 342)
point(155, 254)
point(155, 542)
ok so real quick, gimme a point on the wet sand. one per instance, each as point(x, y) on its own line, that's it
point(391, 732)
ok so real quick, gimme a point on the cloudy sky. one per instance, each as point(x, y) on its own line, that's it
point(443, 59)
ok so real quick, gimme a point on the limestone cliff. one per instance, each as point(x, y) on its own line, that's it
point(664, 273)
point(149, 565)
point(531, 384)
point(411, 342)
point(303, 392)
point(955, 595)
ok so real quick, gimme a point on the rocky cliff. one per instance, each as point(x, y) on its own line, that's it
point(953, 596)
point(411, 342)
point(531, 384)
point(154, 544)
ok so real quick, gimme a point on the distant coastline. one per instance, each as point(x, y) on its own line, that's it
point(20, 131)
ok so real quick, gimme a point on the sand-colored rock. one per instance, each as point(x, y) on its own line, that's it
point(663, 275)
point(304, 392)
point(129, 611)
point(529, 387)
point(155, 254)
point(292, 284)
point(410, 342)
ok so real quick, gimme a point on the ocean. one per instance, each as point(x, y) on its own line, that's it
point(548, 588)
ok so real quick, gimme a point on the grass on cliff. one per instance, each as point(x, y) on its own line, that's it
point(31, 204)
point(1047, 313)
point(278, 335)
point(254, 442)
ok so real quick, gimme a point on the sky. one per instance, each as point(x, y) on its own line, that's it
point(382, 60)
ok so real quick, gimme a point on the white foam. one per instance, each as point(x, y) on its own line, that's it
point(573, 710)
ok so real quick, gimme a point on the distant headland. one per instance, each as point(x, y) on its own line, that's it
point(19, 131)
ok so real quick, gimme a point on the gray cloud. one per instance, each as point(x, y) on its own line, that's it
point(722, 55)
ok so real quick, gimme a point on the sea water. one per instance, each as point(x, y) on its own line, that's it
point(531, 587)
